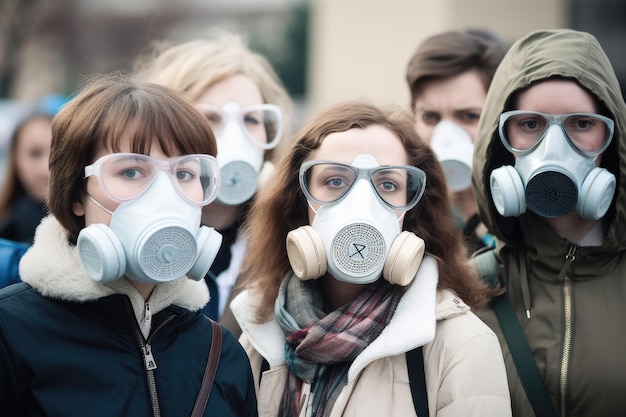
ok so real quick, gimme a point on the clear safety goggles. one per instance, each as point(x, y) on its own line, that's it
point(399, 187)
point(125, 176)
point(521, 131)
point(262, 124)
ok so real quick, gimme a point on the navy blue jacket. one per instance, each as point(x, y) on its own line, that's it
point(86, 359)
point(70, 346)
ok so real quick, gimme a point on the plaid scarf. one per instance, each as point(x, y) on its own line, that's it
point(320, 348)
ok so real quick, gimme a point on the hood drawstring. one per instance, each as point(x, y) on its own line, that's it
point(569, 259)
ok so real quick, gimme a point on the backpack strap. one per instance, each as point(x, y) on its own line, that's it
point(525, 364)
point(210, 370)
point(487, 265)
point(417, 381)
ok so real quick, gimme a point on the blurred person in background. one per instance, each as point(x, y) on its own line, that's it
point(448, 77)
point(356, 274)
point(112, 285)
point(249, 110)
point(548, 175)
point(23, 193)
point(25, 184)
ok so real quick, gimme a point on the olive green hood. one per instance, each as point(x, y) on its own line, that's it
point(538, 56)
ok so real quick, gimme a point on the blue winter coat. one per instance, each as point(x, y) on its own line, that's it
point(10, 254)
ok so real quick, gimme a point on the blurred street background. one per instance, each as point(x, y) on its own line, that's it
point(324, 50)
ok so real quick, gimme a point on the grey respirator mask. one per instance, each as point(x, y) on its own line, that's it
point(356, 234)
point(154, 236)
point(555, 167)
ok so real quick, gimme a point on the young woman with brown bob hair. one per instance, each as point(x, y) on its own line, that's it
point(111, 286)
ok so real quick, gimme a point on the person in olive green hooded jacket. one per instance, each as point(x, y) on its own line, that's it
point(549, 161)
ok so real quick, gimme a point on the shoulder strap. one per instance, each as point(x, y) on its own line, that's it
point(209, 371)
point(417, 381)
point(525, 364)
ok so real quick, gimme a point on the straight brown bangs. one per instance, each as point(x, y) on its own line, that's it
point(160, 117)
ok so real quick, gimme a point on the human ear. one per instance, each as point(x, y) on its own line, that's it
point(78, 208)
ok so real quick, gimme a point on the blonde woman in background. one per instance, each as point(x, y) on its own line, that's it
point(248, 108)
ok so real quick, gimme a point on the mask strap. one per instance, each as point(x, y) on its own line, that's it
point(93, 200)
point(311, 207)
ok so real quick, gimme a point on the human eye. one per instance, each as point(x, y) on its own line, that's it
point(469, 117)
point(129, 169)
point(530, 123)
point(388, 186)
point(252, 119)
point(430, 117)
point(131, 173)
point(214, 117)
point(36, 153)
point(581, 122)
point(389, 181)
point(184, 175)
point(187, 170)
point(335, 182)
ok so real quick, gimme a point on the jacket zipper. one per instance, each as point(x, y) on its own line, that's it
point(567, 337)
point(150, 363)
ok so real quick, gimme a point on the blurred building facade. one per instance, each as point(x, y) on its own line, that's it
point(360, 48)
point(325, 50)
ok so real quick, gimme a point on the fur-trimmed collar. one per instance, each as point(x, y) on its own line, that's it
point(421, 303)
point(53, 267)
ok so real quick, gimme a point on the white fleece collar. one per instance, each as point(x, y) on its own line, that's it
point(53, 267)
point(412, 325)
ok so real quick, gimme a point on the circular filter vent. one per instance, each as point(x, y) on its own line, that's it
point(358, 249)
point(170, 252)
point(551, 194)
point(238, 183)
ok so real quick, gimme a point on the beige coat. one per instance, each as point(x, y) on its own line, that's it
point(465, 374)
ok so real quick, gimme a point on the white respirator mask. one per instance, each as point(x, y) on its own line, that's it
point(154, 237)
point(356, 234)
point(454, 149)
point(243, 135)
point(556, 171)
